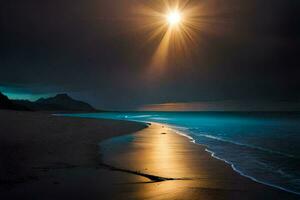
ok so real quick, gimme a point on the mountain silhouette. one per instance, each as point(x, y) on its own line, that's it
point(60, 102)
point(6, 103)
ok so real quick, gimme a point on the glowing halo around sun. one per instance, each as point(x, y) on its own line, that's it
point(174, 26)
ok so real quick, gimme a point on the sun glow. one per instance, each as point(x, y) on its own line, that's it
point(174, 18)
point(173, 26)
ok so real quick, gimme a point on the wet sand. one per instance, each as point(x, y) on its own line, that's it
point(46, 157)
point(169, 166)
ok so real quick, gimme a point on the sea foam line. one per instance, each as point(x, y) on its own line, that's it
point(213, 154)
point(247, 145)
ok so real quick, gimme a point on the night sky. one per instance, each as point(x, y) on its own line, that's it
point(98, 51)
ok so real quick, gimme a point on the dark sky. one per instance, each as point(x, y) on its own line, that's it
point(95, 50)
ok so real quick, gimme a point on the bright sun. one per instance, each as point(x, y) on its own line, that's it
point(174, 18)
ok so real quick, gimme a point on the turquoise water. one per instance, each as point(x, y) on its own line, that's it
point(262, 146)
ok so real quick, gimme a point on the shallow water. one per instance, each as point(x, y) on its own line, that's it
point(262, 146)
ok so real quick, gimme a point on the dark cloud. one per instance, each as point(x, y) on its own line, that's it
point(95, 50)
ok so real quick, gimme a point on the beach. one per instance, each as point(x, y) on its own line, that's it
point(54, 157)
point(48, 157)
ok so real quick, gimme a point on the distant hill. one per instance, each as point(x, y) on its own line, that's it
point(60, 102)
point(6, 103)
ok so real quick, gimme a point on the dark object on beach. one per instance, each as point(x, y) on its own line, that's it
point(153, 178)
point(60, 102)
point(163, 133)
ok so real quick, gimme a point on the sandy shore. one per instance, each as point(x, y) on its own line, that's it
point(47, 157)
point(171, 167)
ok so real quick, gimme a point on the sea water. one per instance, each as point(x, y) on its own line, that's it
point(263, 146)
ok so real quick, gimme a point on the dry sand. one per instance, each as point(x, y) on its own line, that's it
point(45, 157)
point(40, 152)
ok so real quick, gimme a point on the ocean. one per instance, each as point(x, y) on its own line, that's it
point(263, 146)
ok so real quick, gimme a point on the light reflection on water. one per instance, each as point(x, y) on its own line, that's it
point(264, 146)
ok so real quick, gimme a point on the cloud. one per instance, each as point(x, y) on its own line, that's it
point(223, 106)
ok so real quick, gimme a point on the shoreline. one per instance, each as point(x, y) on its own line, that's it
point(50, 157)
point(212, 154)
point(122, 161)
